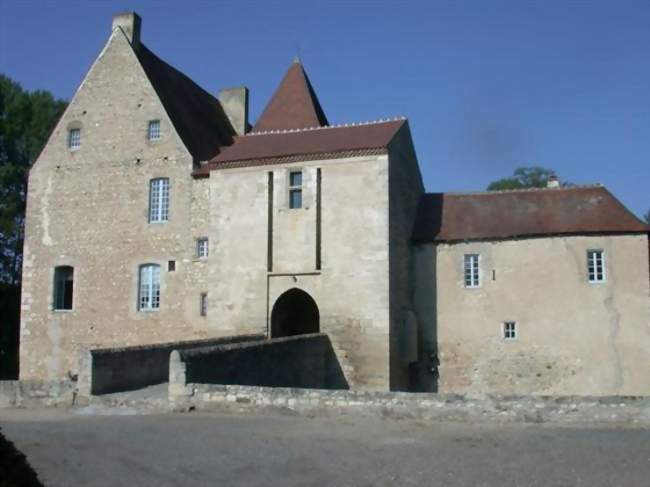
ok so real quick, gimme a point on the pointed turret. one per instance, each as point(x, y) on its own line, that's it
point(294, 104)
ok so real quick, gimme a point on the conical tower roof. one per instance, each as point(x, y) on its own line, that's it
point(294, 104)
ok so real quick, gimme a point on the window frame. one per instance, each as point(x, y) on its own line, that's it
point(596, 275)
point(74, 143)
point(152, 297)
point(199, 253)
point(154, 128)
point(471, 264)
point(295, 189)
point(59, 294)
point(509, 333)
point(159, 200)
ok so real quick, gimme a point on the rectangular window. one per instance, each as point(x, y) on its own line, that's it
point(596, 266)
point(63, 287)
point(159, 200)
point(472, 270)
point(154, 130)
point(510, 330)
point(202, 248)
point(295, 189)
point(204, 304)
point(74, 139)
point(149, 288)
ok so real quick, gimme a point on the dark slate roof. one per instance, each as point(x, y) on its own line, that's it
point(197, 116)
point(256, 149)
point(449, 217)
point(294, 104)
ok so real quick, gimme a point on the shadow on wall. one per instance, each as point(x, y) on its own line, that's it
point(9, 331)
point(425, 373)
point(304, 361)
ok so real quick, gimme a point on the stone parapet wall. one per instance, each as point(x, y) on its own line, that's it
point(634, 410)
point(14, 393)
point(107, 370)
point(306, 361)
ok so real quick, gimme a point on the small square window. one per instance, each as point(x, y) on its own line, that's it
point(171, 266)
point(295, 189)
point(202, 248)
point(510, 330)
point(74, 139)
point(154, 130)
point(204, 304)
point(596, 266)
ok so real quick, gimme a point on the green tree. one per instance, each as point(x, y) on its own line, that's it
point(646, 217)
point(523, 177)
point(26, 120)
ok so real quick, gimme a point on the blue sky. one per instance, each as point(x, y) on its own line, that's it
point(488, 85)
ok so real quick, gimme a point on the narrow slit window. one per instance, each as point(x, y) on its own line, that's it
point(158, 200)
point(149, 287)
point(204, 304)
point(202, 248)
point(510, 330)
point(472, 270)
point(63, 287)
point(154, 130)
point(74, 139)
point(596, 266)
point(295, 189)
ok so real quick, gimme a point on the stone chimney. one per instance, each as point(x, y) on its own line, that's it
point(234, 102)
point(130, 23)
point(553, 181)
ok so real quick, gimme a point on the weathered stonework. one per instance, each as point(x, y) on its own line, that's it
point(573, 337)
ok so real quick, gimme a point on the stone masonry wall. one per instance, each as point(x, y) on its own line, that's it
point(88, 208)
point(573, 337)
point(350, 290)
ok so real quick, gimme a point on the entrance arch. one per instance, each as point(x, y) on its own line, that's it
point(294, 313)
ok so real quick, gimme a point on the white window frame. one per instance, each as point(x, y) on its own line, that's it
point(159, 196)
point(202, 248)
point(74, 139)
point(596, 268)
point(472, 264)
point(149, 287)
point(509, 332)
point(153, 130)
point(295, 188)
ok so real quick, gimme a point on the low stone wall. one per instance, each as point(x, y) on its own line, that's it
point(107, 370)
point(306, 361)
point(14, 393)
point(418, 406)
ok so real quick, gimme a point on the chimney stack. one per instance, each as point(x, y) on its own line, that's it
point(130, 23)
point(553, 181)
point(234, 102)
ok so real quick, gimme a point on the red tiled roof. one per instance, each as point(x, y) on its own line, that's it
point(448, 217)
point(294, 104)
point(259, 149)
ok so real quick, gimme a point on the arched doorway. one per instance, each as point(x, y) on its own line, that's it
point(294, 313)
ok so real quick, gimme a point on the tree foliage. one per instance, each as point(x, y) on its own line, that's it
point(523, 177)
point(646, 217)
point(26, 120)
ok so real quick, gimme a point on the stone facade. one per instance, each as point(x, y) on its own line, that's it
point(573, 336)
point(396, 312)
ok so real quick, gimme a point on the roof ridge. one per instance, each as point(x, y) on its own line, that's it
point(521, 190)
point(327, 127)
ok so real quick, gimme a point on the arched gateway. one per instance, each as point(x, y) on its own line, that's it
point(294, 313)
